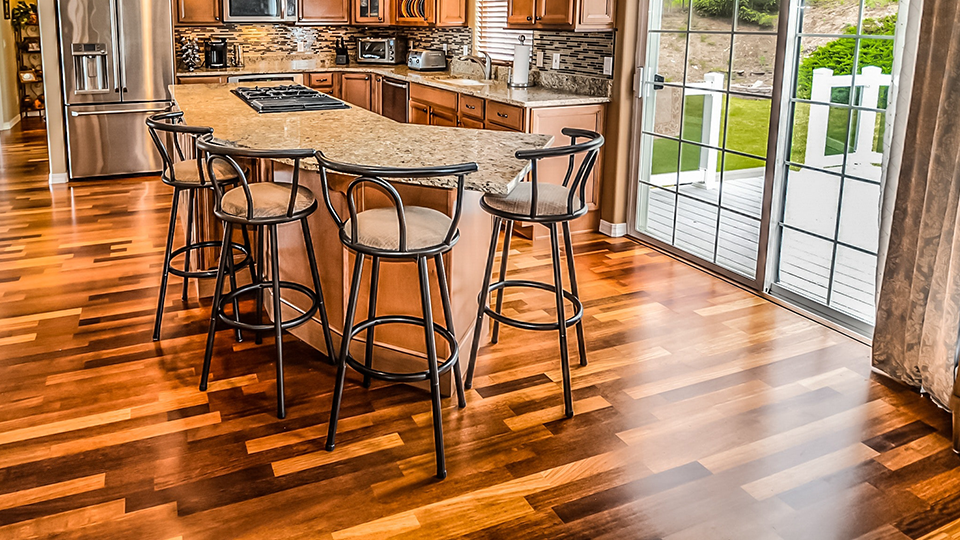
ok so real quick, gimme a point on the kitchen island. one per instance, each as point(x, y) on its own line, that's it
point(356, 135)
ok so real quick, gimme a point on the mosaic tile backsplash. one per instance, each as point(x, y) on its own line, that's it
point(581, 53)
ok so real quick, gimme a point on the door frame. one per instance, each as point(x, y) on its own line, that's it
point(771, 171)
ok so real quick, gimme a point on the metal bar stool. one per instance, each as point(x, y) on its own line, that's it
point(547, 204)
point(264, 205)
point(397, 233)
point(166, 130)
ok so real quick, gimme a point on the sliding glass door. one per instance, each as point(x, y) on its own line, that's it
point(707, 93)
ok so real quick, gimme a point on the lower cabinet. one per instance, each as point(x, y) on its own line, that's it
point(470, 123)
point(432, 106)
point(419, 113)
point(355, 88)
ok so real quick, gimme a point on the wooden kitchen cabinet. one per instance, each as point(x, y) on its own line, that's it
point(355, 88)
point(372, 12)
point(419, 113)
point(376, 95)
point(324, 82)
point(451, 13)
point(581, 15)
point(432, 106)
point(201, 79)
point(441, 13)
point(323, 12)
point(199, 12)
point(470, 123)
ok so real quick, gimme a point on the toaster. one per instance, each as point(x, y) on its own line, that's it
point(426, 60)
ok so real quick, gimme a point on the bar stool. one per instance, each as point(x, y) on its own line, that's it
point(265, 206)
point(187, 175)
point(397, 233)
point(550, 205)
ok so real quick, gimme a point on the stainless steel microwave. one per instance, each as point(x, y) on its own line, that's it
point(260, 10)
point(381, 50)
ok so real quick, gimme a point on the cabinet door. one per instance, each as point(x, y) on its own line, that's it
point(555, 12)
point(443, 117)
point(451, 13)
point(199, 12)
point(419, 113)
point(467, 122)
point(521, 12)
point(598, 14)
point(376, 99)
point(371, 12)
point(321, 81)
point(355, 89)
point(324, 12)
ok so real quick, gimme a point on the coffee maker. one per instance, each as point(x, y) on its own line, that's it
point(215, 53)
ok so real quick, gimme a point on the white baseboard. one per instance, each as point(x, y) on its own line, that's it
point(613, 230)
point(58, 178)
point(13, 121)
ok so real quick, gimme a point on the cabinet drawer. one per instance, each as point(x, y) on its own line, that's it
point(320, 80)
point(471, 107)
point(470, 123)
point(434, 96)
point(504, 115)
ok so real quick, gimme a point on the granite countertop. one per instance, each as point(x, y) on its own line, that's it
point(536, 96)
point(359, 136)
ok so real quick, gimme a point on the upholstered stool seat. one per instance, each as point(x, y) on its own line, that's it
point(379, 228)
point(551, 200)
point(187, 172)
point(270, 200)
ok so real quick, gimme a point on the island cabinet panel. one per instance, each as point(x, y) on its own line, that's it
point(355, 89)
point(324, 12)
point(199, 12)
point(201, 79)
point(324, 82)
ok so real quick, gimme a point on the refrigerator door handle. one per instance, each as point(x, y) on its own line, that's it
point(114, 27)
point(121, 39)
point(125, 111)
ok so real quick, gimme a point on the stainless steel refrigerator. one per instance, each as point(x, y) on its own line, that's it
point(117, 61)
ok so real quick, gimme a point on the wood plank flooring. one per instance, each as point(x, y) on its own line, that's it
point(705, 412)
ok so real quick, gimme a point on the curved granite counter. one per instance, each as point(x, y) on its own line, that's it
point(356, 135)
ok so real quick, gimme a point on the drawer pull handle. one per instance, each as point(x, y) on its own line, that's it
point(471, 107)
point(501, 115)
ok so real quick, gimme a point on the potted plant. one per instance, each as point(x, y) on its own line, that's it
point(23, 14)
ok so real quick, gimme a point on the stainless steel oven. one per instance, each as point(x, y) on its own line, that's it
point(260, 10)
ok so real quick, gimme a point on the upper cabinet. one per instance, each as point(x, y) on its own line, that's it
point(324, 12)
point(582, 15)
point(199, 12)
point(372, 12)
point(431, 12)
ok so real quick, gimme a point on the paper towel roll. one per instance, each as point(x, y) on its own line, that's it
point(520, 76)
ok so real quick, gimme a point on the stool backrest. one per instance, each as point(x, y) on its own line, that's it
point(378, 178)
point(171, 125)
point(575, 179)
point(217, 151)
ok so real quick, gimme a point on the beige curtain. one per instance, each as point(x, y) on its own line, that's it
point(918, 309)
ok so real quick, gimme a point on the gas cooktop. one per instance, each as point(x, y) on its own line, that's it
point(287, 98)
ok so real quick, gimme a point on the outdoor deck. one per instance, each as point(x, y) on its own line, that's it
point(805, 261)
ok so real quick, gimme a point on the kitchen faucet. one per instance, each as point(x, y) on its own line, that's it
point(486, 63)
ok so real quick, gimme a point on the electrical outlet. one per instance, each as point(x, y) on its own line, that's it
point(539, 59)
point(556, 61)
point(466, 50)
point(608, 65)
point(444, 47)
point(300, 46)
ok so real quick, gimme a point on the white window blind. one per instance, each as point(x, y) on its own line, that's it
point(492, 34)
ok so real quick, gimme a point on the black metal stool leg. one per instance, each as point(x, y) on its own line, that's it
point(253, 263)
point(484, 292)
point(344, 351)
point(371, 313)
point(503, 274)
point(261, 276)
point(321, 306)
point(158, 319)
point(231, 267)
point(191, 203)
point(568, 248)
point(215, 308)
point(561, 318)
point(448, 320)
point(277, 319)
point(428, 332)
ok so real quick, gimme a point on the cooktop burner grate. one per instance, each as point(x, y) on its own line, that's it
point(287, 98)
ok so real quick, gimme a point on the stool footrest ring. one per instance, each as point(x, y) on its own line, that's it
point(212, 273)
point(268, 286)
point(442, 367)
point(527, 325)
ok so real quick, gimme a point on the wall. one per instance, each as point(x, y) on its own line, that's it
point(9, 105)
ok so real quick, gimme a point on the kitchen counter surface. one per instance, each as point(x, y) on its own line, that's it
point(357, 135)
point(536, 96)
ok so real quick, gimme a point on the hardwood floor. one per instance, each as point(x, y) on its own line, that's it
point(705, 411)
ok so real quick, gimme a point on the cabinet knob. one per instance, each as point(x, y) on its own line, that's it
point(529, 18)
point(380, 19)
point(539, 18)
point(216, 18)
